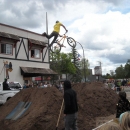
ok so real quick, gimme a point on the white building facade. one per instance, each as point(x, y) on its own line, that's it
point(26, 50)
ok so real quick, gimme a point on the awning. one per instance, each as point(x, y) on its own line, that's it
point(33, 72)
point(9, 36)
point(36, 42)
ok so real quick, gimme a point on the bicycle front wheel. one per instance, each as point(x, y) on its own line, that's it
point(55, 48)
point(71, 41)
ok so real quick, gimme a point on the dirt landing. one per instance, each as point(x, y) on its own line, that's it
point(93, 100)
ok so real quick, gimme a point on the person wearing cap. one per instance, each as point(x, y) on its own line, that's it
point(55, 32)
point(71, 107)
point(5, 85)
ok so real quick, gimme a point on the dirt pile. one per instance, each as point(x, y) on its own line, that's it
point(93, 100)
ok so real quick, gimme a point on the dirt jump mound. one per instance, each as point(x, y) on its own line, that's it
point(41, 107)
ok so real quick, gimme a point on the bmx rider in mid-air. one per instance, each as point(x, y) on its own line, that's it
point(55, 32)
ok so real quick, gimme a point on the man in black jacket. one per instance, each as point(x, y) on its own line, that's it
point(71, 107)
point(5, 85)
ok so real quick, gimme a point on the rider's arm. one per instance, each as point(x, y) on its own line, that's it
point(64, 27)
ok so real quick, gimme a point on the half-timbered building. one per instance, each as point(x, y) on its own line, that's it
point(23, 54)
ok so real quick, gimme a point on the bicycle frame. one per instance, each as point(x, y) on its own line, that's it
point(59, 43)
point(62, 39)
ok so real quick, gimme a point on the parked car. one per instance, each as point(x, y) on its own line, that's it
point(5, 95)
point(15, 85)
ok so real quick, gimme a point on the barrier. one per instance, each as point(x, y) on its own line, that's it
point(102, 125)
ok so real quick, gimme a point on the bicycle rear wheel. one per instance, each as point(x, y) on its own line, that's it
point(55, 48)
point(71, 41)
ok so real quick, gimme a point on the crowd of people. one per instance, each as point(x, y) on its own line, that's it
point(117, 85)
point(58, 85)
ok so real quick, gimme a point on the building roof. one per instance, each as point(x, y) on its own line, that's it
point(37, 42)
point(9, 36)
point(33, 72)
point(19, 28)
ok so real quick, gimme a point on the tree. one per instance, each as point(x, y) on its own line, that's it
point(108, 76)
point(77, 76)
point(61, 63)
point(120, 72)
point(127, 69)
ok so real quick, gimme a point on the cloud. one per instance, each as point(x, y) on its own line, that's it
point(21, 14)
point(106, 34)
point(102, 27)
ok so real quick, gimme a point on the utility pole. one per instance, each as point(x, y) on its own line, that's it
point(84, 61)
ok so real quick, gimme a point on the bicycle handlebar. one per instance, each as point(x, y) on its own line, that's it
point(64, 33)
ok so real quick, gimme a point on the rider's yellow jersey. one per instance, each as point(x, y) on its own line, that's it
point(57, 27)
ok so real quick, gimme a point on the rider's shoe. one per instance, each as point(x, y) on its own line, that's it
point(44, 34)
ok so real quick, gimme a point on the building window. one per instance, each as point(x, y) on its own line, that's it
point(35, 53)
point(6, 48)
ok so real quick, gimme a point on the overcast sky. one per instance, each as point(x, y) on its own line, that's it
point(101, 26)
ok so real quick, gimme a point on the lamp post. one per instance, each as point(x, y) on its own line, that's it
point(84, 61)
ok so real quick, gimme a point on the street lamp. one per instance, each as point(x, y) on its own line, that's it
point(84, 61)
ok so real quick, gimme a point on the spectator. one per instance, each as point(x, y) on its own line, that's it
point(48, 84)
point(111, 126)
point(123, 104)
point(41, 85)
point(5, 85)
point(117, 85)
point(125, 121)
point(71, 107)
point(113, 85)
point(61, 87)
point(45, 85)
point(105, 84)
point(25, 86)
point(123, 84)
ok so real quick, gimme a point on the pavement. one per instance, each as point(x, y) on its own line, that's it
point(127, 90)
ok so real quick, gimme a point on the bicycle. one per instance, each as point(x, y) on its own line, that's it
point(56, 47)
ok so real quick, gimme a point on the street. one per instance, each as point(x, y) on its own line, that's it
point(127, 90)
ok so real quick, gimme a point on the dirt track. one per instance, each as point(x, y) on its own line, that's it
point(93, 100)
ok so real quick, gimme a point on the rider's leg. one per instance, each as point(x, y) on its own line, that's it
point(48, 36)
point(54, 39)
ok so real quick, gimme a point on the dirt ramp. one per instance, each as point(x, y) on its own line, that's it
point(93, 100)
point(42, 113)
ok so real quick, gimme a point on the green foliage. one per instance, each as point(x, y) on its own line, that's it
point(61, 63)
point(77, 76)
point(121, 72)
